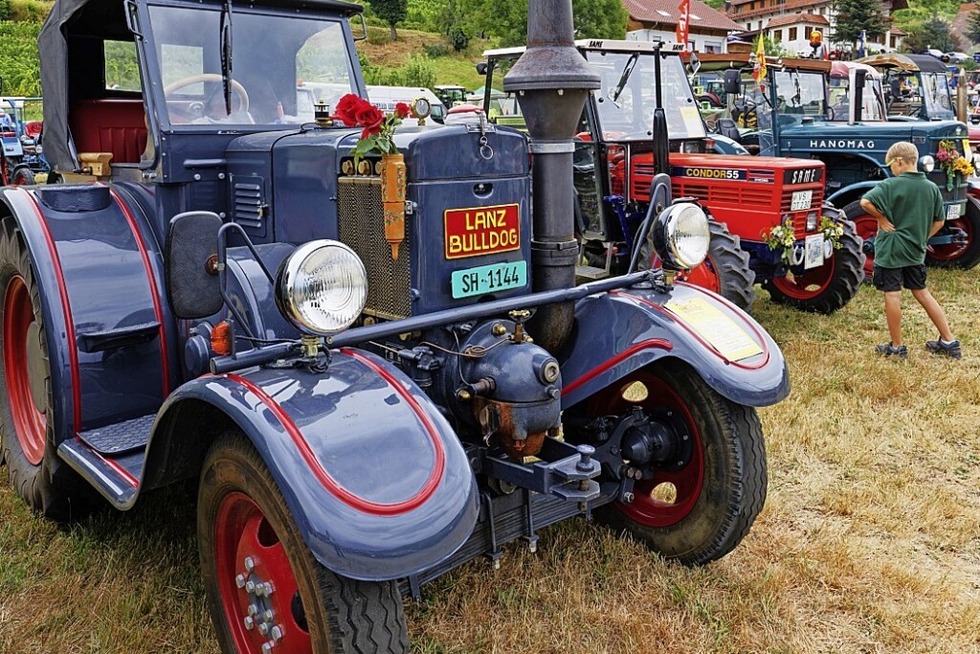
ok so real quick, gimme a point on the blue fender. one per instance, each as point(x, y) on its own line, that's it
point(619, 332)
point(376, 480)
point(843, 197)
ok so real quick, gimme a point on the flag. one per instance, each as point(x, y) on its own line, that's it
point(759, 72)
point(864, 37)
point(683, 22)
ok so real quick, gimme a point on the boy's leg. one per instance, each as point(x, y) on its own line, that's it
point(893, 316)
point(914, 279)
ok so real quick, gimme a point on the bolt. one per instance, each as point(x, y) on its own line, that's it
point(276, 632)
point(249, 563)
point(253, 609)
point(263, 629)
point(268, 588)
point(583, 485)
point(267, 647)
point(628, 497)
point(240, 581)
point(249, 622)
point(250, 586)
point(684, 437)
point(585, 453)
point(268, 616)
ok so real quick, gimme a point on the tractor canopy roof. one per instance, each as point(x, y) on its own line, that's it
point(905, 62)
point(71, 45)
point(725, 61)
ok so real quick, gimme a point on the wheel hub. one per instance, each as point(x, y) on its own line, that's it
point(260, 614)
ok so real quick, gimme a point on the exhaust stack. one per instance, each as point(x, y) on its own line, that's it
point(551, 80)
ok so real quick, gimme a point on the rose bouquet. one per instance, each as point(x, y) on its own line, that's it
point(379, 127)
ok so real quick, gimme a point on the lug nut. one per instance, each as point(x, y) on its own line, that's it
point(276, 632)
point(267, 647)
point(250, 586)
point(268, 616)
point(249, 563)
point(240, 581)
point(253, 609)
point(249, 622)
point(263, 629)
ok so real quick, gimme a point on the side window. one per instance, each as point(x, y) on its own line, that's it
point(122, 72)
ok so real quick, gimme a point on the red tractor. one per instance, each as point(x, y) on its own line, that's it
point(816, 266)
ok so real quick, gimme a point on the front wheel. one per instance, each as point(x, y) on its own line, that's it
point(22, 176)
point(264, 586)
point(960, 255)
point(827, 288)
point(866, 228)
point(696, 505)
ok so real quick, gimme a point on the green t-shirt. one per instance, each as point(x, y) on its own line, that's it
point(912, 203)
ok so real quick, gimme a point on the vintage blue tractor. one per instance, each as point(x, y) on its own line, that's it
point(376, 369)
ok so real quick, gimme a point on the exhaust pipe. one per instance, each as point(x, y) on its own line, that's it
point(551, 81)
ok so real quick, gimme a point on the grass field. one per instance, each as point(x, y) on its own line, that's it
point(869, 540)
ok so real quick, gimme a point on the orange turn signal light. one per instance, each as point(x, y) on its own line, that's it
point(221, 337)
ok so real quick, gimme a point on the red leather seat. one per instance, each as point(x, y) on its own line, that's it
point(116, 125)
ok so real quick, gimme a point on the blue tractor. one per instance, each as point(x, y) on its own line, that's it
point(375, 368)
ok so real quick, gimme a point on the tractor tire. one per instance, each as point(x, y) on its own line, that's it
point(46, 484)
point(960, 255)
point(866, 227)
point(697, 508)
point(827, 288)
point(245, 532)
point(725, 270)
point(22, 176)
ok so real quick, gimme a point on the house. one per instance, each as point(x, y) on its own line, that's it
point(656, 20)
point(790, 22)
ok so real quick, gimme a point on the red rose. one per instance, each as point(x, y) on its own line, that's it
point(402, 110)
point(347, 109)
point(369, 117)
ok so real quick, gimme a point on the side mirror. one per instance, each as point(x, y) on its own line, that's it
point(481, 68)
point(732, 81)
point(191, 256)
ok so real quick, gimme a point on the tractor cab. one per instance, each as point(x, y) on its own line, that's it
point(915, 86)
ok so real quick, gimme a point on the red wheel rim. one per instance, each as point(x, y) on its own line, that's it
point(866, 227)
point(30, 425)
point(687, 479)
point(248, 555)
point(808, 284)
point(953, 251)
point(703, 275)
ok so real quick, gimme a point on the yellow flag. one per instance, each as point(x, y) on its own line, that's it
point(759, 72)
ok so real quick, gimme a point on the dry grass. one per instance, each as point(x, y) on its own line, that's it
point(869, 541)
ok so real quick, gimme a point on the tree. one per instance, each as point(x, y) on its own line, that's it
point(973, 26)
point(934, 33)
point(391, 12)
point(5, 10)
point(855, 16)
point(508, 20)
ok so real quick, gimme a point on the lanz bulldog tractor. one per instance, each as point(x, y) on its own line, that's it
point(745, 197)
point(354, 358)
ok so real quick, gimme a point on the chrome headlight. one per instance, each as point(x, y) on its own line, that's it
point(322, 287)
point(927, 163)
point(681, 236)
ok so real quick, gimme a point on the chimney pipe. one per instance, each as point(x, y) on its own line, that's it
point(552, 80)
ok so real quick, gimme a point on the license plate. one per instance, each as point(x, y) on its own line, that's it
point(494, 278)
point(952, 212)
point(801, 200)
point(813, 251)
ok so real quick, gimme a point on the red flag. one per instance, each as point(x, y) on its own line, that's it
point(683, 21)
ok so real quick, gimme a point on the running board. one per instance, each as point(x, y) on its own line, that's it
point(116, 473)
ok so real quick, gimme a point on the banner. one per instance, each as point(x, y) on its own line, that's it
point(683, 22)
point(759, 72)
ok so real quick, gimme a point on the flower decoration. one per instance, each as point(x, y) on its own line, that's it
point(379, 127)
point(948, 158)
point(782, 237)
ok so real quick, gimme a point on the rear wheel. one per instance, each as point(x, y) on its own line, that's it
point(696, 505)
point(724, 271)
point(264, 586)
point(960, 255)
point(865, 227)
point(827, 288)
point(26, 409)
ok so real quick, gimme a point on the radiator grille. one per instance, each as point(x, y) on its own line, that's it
point(248, 204)
point(362, 228)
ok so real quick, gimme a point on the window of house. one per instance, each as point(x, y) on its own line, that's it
point(792, 34)
point(777, 36)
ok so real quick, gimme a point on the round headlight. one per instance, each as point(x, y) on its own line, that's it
point(681, 236)
point(927, 163)
point(322, 287)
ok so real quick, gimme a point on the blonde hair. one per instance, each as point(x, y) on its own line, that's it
point(903, 150)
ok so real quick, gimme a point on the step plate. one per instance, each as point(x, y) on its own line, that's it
point(120, 437)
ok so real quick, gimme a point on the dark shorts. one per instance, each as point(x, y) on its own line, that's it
point(893, 279)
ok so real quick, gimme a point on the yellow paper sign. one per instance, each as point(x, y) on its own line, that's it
point(711, 324)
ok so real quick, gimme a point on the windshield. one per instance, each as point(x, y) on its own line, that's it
point(800, 94)
point(271, 85)
point(919, 95)
point(627, 98)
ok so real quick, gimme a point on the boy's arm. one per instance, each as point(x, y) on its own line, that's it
point(938, 219)
point(883, 223)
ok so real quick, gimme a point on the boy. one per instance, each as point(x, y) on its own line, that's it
point(909, 210)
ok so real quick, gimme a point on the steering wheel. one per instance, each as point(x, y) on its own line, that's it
point(236, 87)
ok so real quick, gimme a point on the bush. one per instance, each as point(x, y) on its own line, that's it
point(435, 50)
point(19, 63)
point(30, 11)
